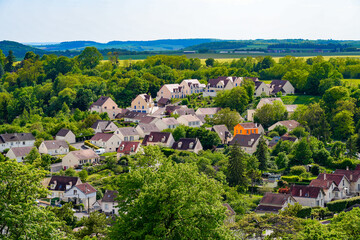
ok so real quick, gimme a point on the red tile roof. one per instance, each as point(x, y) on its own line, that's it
point(334, 177)
point(102, 136)
point(305, 191)
point(267, 208)
point(324, 184)
point(86, 188)
point(274, 199)
point(156, 137)
point(126, 147)
point(352, 175)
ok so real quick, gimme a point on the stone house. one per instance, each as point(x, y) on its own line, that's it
point(110, 142)
point(54, 147)
point(188, 144)
point(78, 158)
point(18, 153)
point(67, 135)
point(10, 140)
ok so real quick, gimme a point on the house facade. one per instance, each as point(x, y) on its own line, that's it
point(10, 140)
point(223, 132)
point(308, 196)
point(109, 203)
point(78, 158)
point(170, 91)
point(67, 135)
point(261, 89)
point(281, 86)
point(58, 185)
point(18, 153)
point(106, 104)
point(110, 142)
point(354, 178)
point(248, 128)
point(142, 103)
point(191, 86)
point(54, 147)
point(247, 142)
point(164, 139)
point(127, 134)
point(81, 193)
point(190, 120)
point(127, 148)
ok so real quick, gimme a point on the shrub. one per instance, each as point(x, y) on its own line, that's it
point(304, 212)
point(297, 170)
point(315, 169)
point(337, 206)
point(290, 179)
point(87, 143)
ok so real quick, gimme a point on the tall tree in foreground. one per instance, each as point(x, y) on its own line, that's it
point(10, 60)
point(171, 202)
point(237, 167)
point(20, 216)
point(262, 154)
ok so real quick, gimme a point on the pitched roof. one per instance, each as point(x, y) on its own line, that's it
point(274, 199)
point(62, 181)
point(189, 118)
point(269, 100)
point(274, 141)
point(286, 137)
point(334, 177)
point(102, 136)
point(352, 175)
point(245, 140)
point(258, 84)
point(277, 86)
point(55, 144)
point(156, 137)
point(249, 125)
point(170, 121)
point(128, 131)
point(146, 97)
point(214, 82)
point(100, 101)
point(16, 137)
point(173, 87)
point(84, 154)
point(109, 196)
point(63, 132)
point(164, 101)
point(322, 183)
point(252, 78)
point(185, 111)
point(229, 210)
point(132, 114)
point(208, 111)
point(101, 124)
point(147, 128)
point(21, 151)
point(305, 191)
point(126, 147)
point(86, 188)
point(222, 131)
point(185, 144)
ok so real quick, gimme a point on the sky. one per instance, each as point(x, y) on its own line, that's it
point(107, 20)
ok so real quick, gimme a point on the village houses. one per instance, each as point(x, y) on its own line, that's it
point(9, 140)
point(67, 135)
point(78, 158)
point(108, 141)
point(54, 147)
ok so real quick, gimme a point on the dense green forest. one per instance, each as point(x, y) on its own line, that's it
point(178, 194)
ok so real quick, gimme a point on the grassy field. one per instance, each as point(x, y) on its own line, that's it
point(300, 99)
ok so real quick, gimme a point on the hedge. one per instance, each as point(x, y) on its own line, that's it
point(341, 205)
point(87, 143)
point(290, 179)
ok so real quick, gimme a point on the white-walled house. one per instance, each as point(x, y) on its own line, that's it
point(110, 142)
point(165, 123)
point(54, 147)
point(81, 193)
point(261, 89)
point(191, 86)
point(170, 91)
point(142, 103)
point(10, 140)
point(58, 185)
point(274, 202)
point(189, 120)
point(353, 176)
point(67, 135)
point(329, 187)
point(283, 86)
point(108, 203)
point(308, 196)
point(127, 134)
point(18, 153)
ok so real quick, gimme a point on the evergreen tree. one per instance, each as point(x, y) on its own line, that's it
point(10, 59)
point(262, 154)
point(351, 145)
point(237, 167)
point(302, 154)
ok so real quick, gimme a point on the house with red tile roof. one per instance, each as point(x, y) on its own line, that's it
point(329, 187)
point(353, 176)
point(128, 148)
point(308, 196)
point(274, 202)
point(342, 182)
point(81, 193)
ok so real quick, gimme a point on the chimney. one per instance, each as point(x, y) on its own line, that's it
point(347, 168)
point(300, 192)
point(351, 177)
point(324, 176)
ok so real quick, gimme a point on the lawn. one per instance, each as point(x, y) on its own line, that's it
point(300, 99)
point(351, 82)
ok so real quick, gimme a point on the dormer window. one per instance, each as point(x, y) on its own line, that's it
point(163, 139)
point(151, 138)
point(191, 145)
point(179, 144)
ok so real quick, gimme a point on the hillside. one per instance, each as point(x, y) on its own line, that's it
point(19, 49)
point(155, 45)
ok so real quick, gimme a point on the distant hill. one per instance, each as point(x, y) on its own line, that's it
point(139, 46)
point(19, 49)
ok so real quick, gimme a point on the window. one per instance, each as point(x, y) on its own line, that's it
point(23, 143)
point(106, 206)
point(247, 131)
point(240, 131)
point(142, 107)
point(75, 192)
point(134, 107)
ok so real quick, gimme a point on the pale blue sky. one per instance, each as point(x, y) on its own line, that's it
point(107, 20)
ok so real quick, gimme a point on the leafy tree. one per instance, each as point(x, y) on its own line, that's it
point(179, 132)
point(253, 171)
point(297, 170)
point(302, 152)
point(262, 154)
point(83, 174)
point(297, 78)
point(96, 224)
point(235, 99)
point(282, 160)
point(338, 149)
point(343, 125)
point(174, 202)
point(20, 216)
point(237, 167)
point(70, 172)
point(281, 130)
point(351, 145)
point(32, 156)
point(269, 114)
point(227, 117)
point(89, 58)
point(210, 62)
point(10, 60)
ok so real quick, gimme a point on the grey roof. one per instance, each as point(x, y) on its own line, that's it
point(128, 131)
point(185, 111)
point(170, 121)
point(109, 196)
point(100, 101)
point(147, 128)
point(222, 131)
point(21, 151)
point(56, 144)
point(62, 181)
point(184, 144)
point(16, 137)
point(102, 124)
point(102, 136)
point(245, 140)
point(63, 132)
point(84, 154)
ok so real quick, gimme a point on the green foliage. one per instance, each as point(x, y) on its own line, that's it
point(340, 205)
point(88, 143)
point(89, 58)
point(291, 179)
point(227, 117)
point(174, 202)
point(269, 114)
point(262, 154)
point(297, 170)
point(235, 99)
point(237, 167)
